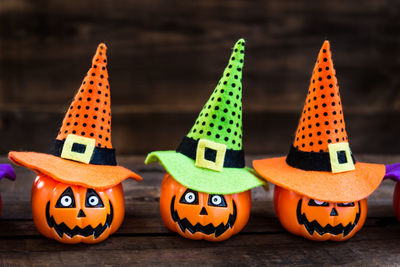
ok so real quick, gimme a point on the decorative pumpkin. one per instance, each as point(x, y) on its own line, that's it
point(321, 166)
point(396, 200)
point(318, 220)
point(77, 195)
point(206, 191)
point(197, 215)
point(74, 214)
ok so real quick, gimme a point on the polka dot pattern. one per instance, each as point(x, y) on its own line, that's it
point(89, 114)
point(221, 118)
point(322, 121)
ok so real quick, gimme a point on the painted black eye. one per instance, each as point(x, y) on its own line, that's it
point(317, 203)
point(66, 200)
point(93, 200)
point(216, 201)
point(189, 197)
point(349, 204)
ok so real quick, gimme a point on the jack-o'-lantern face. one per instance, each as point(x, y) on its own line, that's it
point(197, 215)
point(73, 214)
point(214, 212)
point(319, 220)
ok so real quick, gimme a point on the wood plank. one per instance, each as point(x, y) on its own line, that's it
point(142, 198)
point(144, 240)
point(141, 133)
point(377, 246)
point(166, 59)
point(159, 53)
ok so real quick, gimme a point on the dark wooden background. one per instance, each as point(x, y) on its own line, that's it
point(165, 58)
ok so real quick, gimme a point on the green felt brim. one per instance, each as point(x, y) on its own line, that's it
point(182, 169)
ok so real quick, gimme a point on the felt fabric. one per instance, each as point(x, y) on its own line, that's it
point(393, 172)
point(321, 121)
point(324, 186)
point(310, 161)
point(72, 172)
point(101, 155)
point(322, 128)
point(233, 158)
point(6, 171)
point(89, 114)
point(221, 118)
point(218, 134)
point(83, 153)
point(182, 168)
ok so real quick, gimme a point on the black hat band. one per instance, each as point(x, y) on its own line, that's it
point(83, 151)
point(232, 159)
point(319, 161)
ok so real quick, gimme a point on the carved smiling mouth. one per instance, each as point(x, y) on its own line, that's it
point(334, 230)
point(205, 229)
point(62, 228)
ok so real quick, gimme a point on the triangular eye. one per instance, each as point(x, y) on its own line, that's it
point(93, 200)
point(66, 200)
point(216, 201)
point(318, 203)
point(189, 197)
point(349, 204)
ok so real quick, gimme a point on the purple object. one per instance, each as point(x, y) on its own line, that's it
point(393, 172)
point(7, 171)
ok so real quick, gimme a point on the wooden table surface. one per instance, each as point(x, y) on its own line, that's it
point(143, 239)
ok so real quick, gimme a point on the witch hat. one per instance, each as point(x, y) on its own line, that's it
point(6, 171)
point(210, 157)
point(82, 153)
point(393, 172)
point(320, 164)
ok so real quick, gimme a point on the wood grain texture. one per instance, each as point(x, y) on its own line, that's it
point(165, 58)
point(141, 133)
point(169, 52)
point(144, 240)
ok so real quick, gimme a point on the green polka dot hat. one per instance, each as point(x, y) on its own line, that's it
point(210, 157)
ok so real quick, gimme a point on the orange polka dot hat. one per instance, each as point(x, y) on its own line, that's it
point(82, 153)
point(320, 164)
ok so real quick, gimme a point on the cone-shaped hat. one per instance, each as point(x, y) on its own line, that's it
point(89, 114)
point(82, 153)
point(321, 121)
point(320, 164)
point(221, 118)
point(211, 157)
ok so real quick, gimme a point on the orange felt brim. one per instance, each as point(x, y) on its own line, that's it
point(72, 172)
point(324, 186)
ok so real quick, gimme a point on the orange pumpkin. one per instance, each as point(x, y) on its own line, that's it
point(396, 200)
point(74, 214)
point(196, 215)
point(318, 220)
